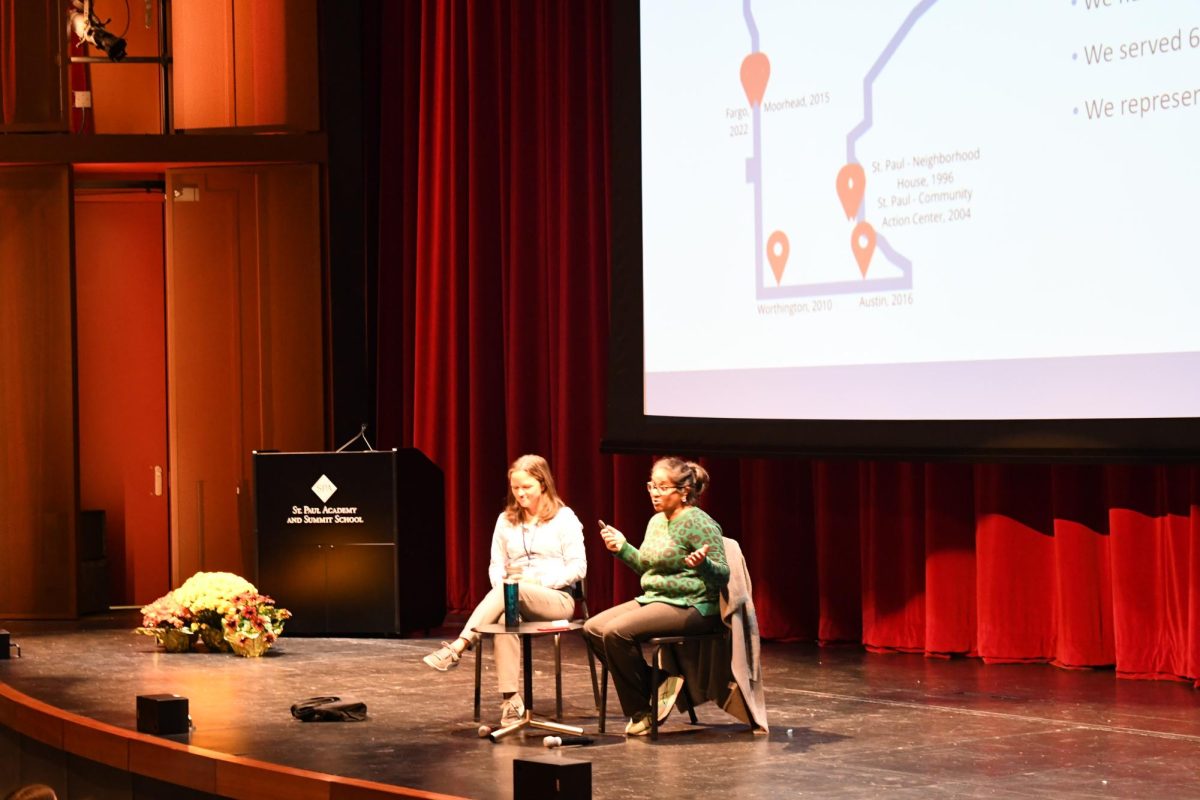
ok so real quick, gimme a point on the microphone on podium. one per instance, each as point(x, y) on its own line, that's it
point(362, 434)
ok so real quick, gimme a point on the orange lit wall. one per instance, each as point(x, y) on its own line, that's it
point(246, 64)
point(125, 97)
point(37, 443)
point(277, 63)
point(122, 385)
point(244, 347)
point(32, 89)
point(202, 46)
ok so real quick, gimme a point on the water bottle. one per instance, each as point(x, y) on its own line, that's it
point(512, 602)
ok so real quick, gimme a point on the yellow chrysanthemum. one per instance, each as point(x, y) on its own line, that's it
point(211, 591)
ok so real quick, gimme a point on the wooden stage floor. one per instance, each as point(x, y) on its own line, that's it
point(844, 724)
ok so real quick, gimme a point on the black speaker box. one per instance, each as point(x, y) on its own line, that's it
point(162, 714)
point(551, 778)
point(5, 644)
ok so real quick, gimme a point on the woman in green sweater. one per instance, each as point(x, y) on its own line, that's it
point(683, 569)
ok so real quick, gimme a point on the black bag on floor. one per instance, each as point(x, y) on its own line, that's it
point(329, 709)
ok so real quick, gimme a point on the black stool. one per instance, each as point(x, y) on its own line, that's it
point(657, 643)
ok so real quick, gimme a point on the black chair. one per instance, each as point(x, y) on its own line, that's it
point(579, 592)
point(657, 644)
point(737, 565)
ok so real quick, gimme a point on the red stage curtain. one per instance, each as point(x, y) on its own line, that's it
point(493, 331)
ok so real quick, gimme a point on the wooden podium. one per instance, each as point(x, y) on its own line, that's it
point(352, 542)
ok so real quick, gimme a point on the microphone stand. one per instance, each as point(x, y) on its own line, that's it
point(362, 434)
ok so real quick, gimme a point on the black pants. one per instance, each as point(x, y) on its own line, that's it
point(615, 636)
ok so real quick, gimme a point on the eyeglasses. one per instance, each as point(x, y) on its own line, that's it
point(654, 489)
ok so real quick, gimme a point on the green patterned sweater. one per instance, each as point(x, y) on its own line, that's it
point(665, 578)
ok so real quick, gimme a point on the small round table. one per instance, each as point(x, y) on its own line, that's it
point(528, 631)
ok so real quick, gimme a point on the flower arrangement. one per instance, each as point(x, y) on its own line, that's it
point(254, 623)
point(222, 609)
point(209, 597)
point(167, 612)
point(169, 622)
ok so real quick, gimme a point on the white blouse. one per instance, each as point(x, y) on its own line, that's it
point(550, 553)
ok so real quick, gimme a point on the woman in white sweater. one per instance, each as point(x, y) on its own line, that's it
point(539, 541)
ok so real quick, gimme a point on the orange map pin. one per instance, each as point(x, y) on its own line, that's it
point(851, 183)
point(862, 242)
point(755, 71)
point(777, 253)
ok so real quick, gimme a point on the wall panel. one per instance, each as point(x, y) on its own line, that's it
point(244, 339)
point(38, 498)
point(119, 265)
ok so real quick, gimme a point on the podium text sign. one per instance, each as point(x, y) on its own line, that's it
point(333, 546)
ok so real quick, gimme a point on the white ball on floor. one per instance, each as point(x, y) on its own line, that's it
point(484, 730)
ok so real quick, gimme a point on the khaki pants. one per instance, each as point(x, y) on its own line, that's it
point(537, 602)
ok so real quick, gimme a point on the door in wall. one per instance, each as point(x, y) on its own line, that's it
point(245, 355)
point(121, 352)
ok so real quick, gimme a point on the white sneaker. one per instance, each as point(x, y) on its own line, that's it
point(668, 693)
point(442, 659)
point(639, 725)
point(512, 711)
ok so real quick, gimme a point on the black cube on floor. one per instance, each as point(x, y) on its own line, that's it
point(162, 714)
point(4, 643)
point(551, 778)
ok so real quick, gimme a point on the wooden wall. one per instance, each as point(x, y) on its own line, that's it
point(38, 477)
point(122, 375)
point(244, 342)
